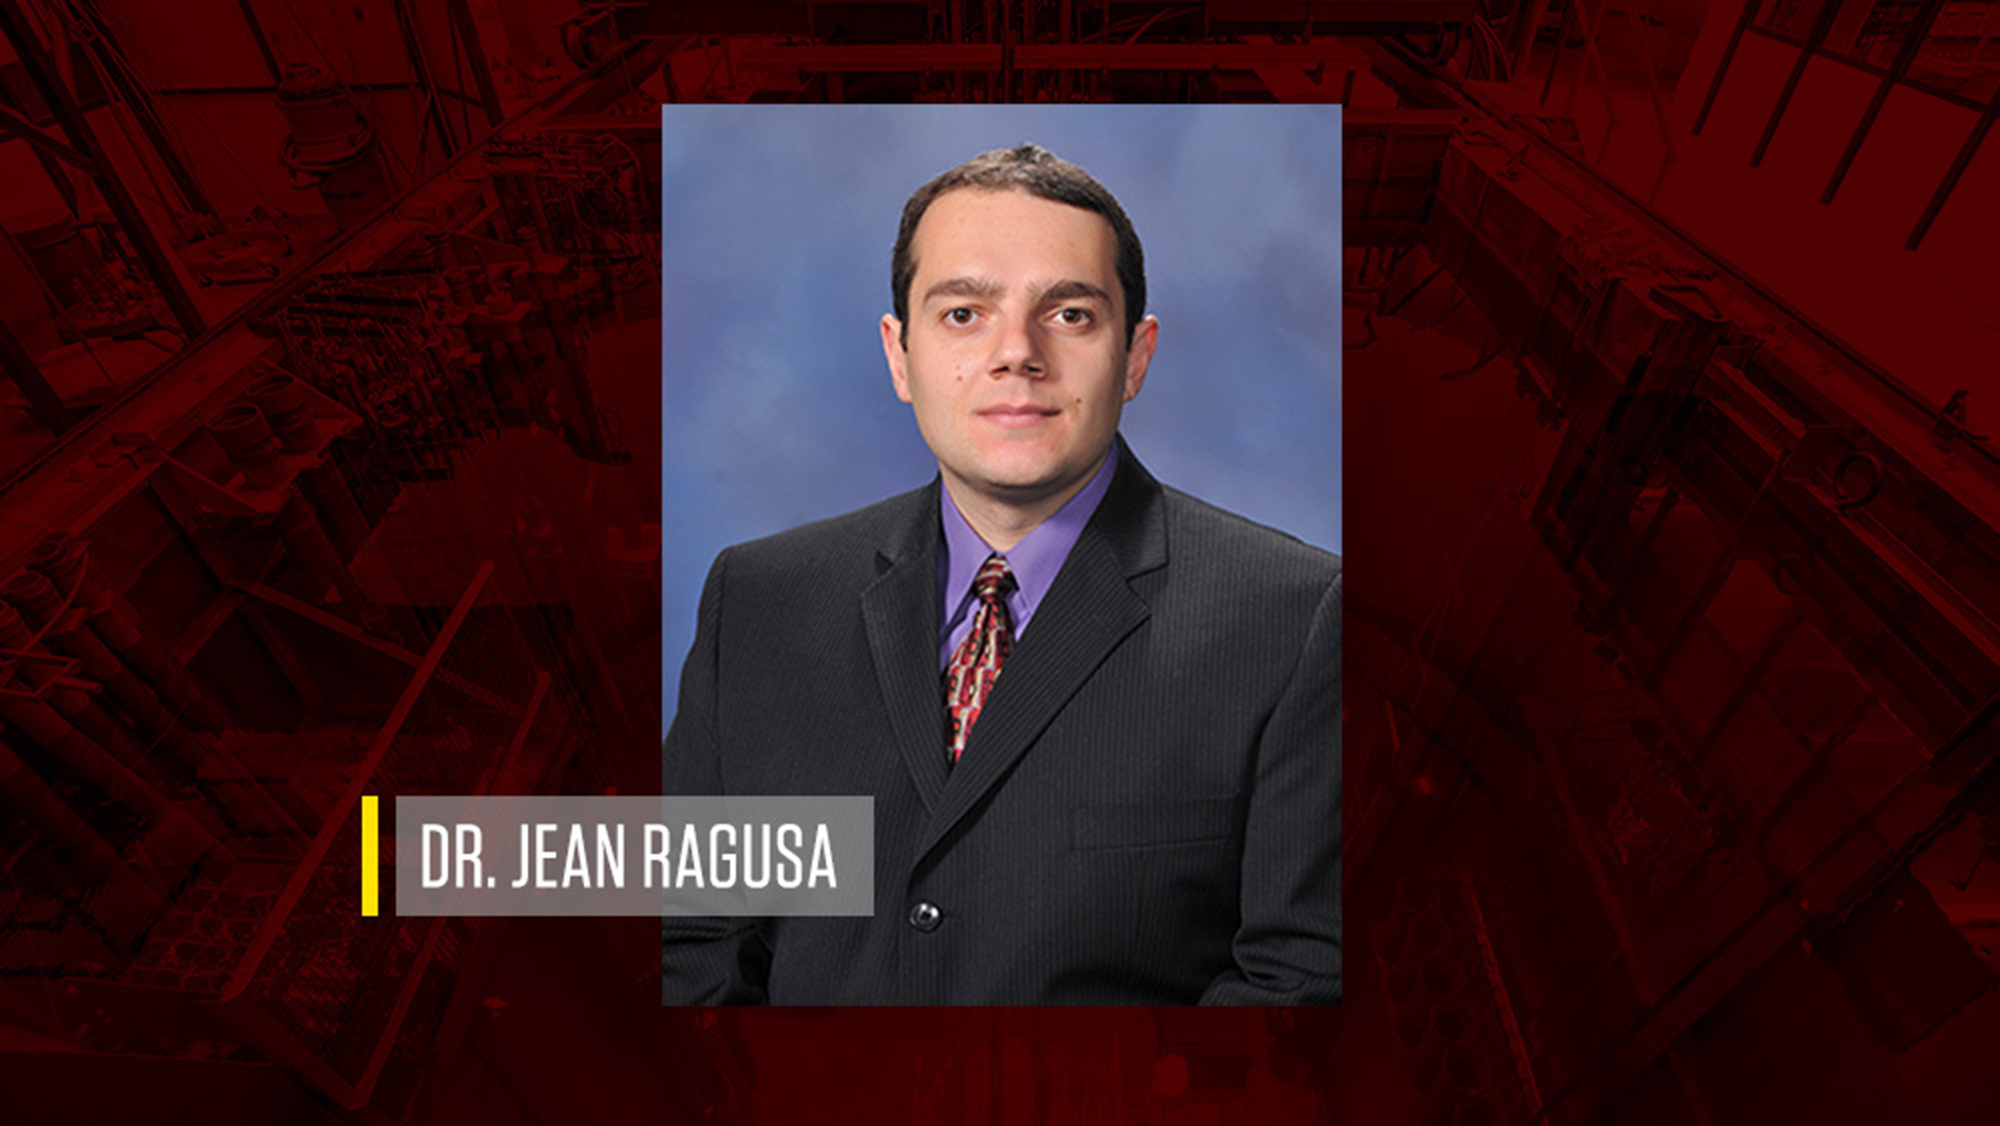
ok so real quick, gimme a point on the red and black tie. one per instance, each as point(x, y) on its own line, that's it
point(977, 660)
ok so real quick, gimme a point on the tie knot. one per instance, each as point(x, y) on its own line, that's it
point(995, 580)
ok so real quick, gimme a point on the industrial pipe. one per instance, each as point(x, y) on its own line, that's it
point(282, 400)
point(246, 437)
point(287, 410)
point(61, 557)
point(176, 839)
point(125, 904)
point(331, 146)
point(82, 708)
point(41, 606)
point(241, 799)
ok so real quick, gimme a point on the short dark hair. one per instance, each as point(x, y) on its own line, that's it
point(1039, 172)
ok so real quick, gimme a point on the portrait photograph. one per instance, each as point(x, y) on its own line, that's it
point(1002, 487)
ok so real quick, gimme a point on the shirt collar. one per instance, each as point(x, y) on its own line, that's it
point(1035, 561)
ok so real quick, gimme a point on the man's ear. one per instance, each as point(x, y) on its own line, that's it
point(896, 354)
point(1138, 357)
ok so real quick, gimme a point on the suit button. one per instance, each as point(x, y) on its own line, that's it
point(926, 916)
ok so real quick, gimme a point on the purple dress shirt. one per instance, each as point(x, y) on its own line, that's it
point(1034, 561)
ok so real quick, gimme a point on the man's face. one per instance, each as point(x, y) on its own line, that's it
point(1017, 364)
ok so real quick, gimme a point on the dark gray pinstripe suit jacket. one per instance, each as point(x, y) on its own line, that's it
point(1148, 811)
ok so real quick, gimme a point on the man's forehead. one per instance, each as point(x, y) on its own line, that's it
point(971, 193)
point(1003, 231)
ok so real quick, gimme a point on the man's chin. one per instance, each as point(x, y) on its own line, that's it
point(1026, 479)
point(1023, 492)
point(1029, 488)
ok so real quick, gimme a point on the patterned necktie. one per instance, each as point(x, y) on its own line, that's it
point(977, 660)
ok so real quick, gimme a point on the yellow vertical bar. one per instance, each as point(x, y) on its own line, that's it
point(371, 863)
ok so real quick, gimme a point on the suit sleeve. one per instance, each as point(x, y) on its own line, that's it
point(1287, 945)
point(705, 961)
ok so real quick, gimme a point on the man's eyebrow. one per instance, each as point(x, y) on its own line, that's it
point(1071, 290)
point(964, 287)
point(988, 289)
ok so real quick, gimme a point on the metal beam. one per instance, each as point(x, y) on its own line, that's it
point(1951, 177)
point(1748, 14)
point(1184, 56)
point(1906, 53)
point(72, 480)
point(413, 46)
point(1521, 37)
point(1412, 77)
point(263, 41)
point(917, 58)
point(44, 405)
point(475, 54)
point(1555, 56)
point(1821, 23)
point(48, 83)
point(267, 91)
point(30, 132)
point(143, 111)
point(52, 167)
point(880, 58)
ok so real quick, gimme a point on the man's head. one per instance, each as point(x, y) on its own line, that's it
point(1038, 172)
point(1019, 331)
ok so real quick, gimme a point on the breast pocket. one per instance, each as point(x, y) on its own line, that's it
point(1153, 824)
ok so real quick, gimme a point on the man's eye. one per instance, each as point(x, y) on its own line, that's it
point(959, 316)
point(1074, 317)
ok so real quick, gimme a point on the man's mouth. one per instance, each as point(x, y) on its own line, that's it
point(1016, 414)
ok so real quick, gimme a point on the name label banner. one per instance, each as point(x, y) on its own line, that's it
point(606, 856)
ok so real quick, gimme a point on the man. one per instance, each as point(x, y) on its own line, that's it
point(1099, 719)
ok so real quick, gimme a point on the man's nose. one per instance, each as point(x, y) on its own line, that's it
point(1017, 347)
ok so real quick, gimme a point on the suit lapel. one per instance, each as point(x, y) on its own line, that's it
point(900, 612)
point(1089, 609)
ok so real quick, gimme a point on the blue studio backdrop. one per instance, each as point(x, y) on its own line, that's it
point(777, 227)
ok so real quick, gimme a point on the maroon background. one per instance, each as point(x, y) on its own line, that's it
point(1672, 654)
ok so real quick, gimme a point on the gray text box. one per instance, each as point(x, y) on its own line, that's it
point(655, 856)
